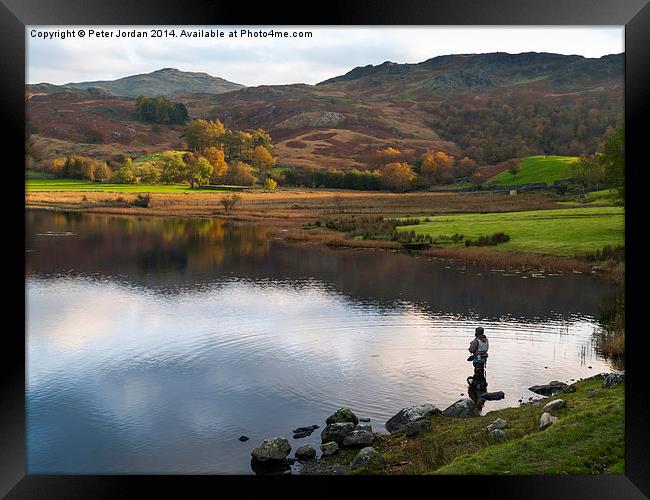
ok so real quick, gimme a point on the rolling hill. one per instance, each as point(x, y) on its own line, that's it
point(490, 107)
point(166, 81)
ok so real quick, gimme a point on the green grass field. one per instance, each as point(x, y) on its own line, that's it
point(588, 438)
point(569, 232)
point(535, 169)
point(77, 185)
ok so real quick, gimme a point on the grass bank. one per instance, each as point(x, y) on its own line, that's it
point(588, 438)
point(534, 169)
point(564, 232)
point(72, 185)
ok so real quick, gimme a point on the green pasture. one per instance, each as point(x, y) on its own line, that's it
point(567, 231)
point(535, 169)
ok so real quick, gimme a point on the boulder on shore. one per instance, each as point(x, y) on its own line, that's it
point(546, 419)
point(329, 448)
point(408, 415)
point(493, 396)
point(554, 405)
point(273, 449)
point(418, 426)
point(306, 452)
point(336, 432)
point(462, 408)
point(613, 379)
point(498, 424)
point(551, 389)
point(365, 457)
point(359, 438)
point(342, 415)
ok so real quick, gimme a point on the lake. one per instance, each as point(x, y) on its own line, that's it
point(152, 344)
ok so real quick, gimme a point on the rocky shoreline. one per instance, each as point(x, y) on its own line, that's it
point(345, 432)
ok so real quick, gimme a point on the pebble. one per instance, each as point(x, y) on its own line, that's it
point(243, 438)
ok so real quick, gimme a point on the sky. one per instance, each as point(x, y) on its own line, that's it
point(256, 60)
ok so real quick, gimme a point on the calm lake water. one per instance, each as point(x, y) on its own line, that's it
point(153, 344)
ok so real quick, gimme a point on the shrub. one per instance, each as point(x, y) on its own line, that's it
point(493, 239)
point(270, 184)
point(142, 200)
point(229, 202)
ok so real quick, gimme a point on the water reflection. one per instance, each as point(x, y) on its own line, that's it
point(153, 344)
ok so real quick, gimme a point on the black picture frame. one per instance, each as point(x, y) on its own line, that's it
point(634, 14)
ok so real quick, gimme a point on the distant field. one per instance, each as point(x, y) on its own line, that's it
point(568, 232)
point(546, 169)
point(76, 185)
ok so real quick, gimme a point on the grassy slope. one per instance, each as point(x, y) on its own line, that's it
point(537, 169)
point(588, 438)
point(76, 185)
point(568, 231)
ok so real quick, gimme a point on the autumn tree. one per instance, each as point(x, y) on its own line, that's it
point(262, 160)
point(200, 134)
point(588, 170)
point(124, 174)
point(477, 179)
point(147, 172)
point(465, 167)
point(270, 184)
point(219, 166)
point(386, 156)
point(172, 167)
point(397, 176)
point(102, 172)
point(437, 167)
point(240, 174)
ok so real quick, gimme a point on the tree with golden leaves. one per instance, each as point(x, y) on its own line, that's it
point(437, 167)
point(397, 176)
point(263, 160)
point(217, 159)
point(387, 155)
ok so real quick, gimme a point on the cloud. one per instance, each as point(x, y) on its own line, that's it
point(331, 51)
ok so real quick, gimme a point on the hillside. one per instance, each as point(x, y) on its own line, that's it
point(537, 169)
point(490, 107)
point(166, 81)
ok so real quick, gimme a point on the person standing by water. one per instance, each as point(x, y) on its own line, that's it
point(479, 349)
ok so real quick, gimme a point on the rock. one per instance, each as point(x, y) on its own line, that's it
point(569, 388)
point(359, 438)
point(499, 423)
point(116, 135)
point(329, 448)
point(418, 426)
point(342, 415)
point(545, 420)
point(309, 429)
point(336, 432)
point(462, 408)
point(306, 452)
point(272, 449)
point(301, 435)
point(613, 379)
point(493, 396)
point(407, 415)
point(363, 427)
point(554, 405)
point(365, 457)
point(592, 392)
point(550, 389)
point(497, 432)
point(364, 420)
point(323, 467)
point(243, 438)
